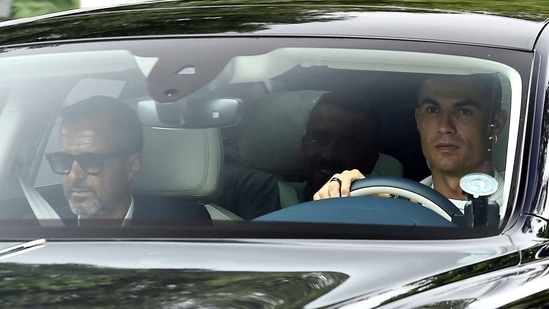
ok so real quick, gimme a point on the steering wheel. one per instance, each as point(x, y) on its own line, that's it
point(409, 189)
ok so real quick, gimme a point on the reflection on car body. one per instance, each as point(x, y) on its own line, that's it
point(223, 96)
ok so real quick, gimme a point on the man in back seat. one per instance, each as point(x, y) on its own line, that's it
point(341, 133)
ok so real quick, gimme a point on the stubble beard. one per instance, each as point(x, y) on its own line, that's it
point(89, 207)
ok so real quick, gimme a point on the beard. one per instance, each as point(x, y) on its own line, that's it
point(87, 208)
point(87, 204)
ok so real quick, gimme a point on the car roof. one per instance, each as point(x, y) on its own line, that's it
point(296, 19)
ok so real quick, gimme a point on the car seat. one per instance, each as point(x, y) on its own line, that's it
point(184, 163)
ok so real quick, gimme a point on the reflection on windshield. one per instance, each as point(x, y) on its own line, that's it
point(271, 126)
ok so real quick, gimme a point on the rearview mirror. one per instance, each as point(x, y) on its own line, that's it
point(193, 113)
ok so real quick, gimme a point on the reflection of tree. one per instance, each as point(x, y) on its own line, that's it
point(538, 300)
point(528, 9)
point(502, 283)
point(28, 8)
point(455, 275)
point(76, 285)
point(540, 194)
point(162, 19)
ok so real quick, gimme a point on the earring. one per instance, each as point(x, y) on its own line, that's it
point(494, 140)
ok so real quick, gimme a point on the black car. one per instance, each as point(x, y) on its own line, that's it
point(221, 212)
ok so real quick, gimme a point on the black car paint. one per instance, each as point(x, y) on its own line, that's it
point(525, 240)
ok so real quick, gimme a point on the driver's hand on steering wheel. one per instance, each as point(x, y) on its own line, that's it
point(339, 185)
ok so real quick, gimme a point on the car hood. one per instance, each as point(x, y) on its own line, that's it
point(240, 274)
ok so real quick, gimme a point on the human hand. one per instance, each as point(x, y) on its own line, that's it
point(338, 185)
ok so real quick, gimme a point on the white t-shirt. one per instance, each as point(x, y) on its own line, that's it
point(497, 196)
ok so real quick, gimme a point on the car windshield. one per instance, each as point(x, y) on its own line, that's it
point(235, 125)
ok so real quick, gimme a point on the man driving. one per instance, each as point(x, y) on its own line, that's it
point(459, 119)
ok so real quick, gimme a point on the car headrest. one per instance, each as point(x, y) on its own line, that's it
point(279, 150)
point(180, 162)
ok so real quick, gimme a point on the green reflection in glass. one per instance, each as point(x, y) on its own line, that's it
point(76, 285)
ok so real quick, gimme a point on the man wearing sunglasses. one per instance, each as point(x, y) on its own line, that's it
point(99, 155)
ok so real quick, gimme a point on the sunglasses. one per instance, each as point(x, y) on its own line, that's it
point(90, 163)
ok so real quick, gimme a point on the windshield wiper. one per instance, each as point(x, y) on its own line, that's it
point(21, 247)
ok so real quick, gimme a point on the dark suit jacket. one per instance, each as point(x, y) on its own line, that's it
point(154, 210)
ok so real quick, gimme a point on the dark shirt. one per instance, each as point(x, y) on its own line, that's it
point(153, 210)
point(247, 192)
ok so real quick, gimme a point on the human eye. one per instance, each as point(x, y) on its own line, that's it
point(92, 163)
point(431, 109)
point(318, 138)
point(465, 111)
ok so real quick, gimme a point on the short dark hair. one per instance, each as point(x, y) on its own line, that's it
point(122, 117)
point(353, 103)
point(488, 83)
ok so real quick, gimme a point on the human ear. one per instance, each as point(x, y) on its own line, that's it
point(134, 165)
point(500, 119)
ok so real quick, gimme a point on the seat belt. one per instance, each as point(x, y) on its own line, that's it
point(45, 214)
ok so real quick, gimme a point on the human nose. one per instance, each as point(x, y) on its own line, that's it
point(446, 123)
point(76, 171)
point(330, 150)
